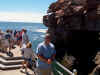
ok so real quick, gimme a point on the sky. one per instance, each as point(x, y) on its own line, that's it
point(23, 10)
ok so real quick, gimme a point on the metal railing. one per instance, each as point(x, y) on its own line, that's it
point(59, 69)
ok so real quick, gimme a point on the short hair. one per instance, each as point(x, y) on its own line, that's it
point(7, 30)
point(29, 45)
point(47, 36)
point(24, 30)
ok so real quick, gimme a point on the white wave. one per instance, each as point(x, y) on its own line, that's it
point(42, 36)
point(41, 30)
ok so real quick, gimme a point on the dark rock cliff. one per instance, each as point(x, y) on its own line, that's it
point(74, 27)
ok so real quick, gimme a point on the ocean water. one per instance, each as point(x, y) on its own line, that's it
point(35, 31)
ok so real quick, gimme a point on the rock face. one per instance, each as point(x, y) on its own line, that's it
point(74, 25)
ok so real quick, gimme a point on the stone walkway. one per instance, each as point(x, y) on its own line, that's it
point(16, 52)
point(15, 72)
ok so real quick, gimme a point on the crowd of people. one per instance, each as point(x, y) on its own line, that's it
point(10, 38)
point(45, 52)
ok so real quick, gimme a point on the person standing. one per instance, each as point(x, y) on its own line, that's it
point(25, 38)
point(46, 54)
point(28, 55)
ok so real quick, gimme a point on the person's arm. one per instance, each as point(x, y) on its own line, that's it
point(53, 57)
point(39, 53)
point(48, 61)
point(42, 58)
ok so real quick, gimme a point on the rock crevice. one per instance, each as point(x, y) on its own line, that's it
point(72, 23)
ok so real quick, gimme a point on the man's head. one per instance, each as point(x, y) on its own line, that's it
point(47, 39)
point(24, 30)
point(61, 1)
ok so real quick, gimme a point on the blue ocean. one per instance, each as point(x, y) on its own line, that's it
point(35, 31)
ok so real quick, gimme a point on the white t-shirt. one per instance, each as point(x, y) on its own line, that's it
point(24, 38)
point(28, 53)
point(23, 46)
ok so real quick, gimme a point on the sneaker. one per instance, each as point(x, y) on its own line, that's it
point(27, 73)
point(22, 70)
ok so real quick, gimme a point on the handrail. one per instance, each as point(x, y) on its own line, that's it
point(67, 70)
point(64, 68)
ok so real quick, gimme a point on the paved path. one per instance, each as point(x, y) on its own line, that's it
point(16, 52)
point(14, 72)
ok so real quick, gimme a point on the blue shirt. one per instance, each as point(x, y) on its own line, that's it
point(47, 51)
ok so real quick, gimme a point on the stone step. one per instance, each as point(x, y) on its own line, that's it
point(10, 62)
point(11, 58)
point(11, 67)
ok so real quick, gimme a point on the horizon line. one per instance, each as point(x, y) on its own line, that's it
point(21, 17)
point(21, 22)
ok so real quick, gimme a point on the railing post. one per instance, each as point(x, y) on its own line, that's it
point(65, 69)
point(74, 71)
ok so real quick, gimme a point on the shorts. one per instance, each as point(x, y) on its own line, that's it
point(47, 71)
point(18, 38)
point(29, 60)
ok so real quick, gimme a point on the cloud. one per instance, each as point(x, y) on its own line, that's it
point(21, 17)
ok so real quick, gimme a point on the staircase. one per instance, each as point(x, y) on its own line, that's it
point(13, 63)
point(10, 63)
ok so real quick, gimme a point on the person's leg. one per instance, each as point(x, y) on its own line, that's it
point(38, 71)
point(20, 43)
point(10, 44)
point(26, 66)
point(23, 68)
point(48, 71)
point(44, 71)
